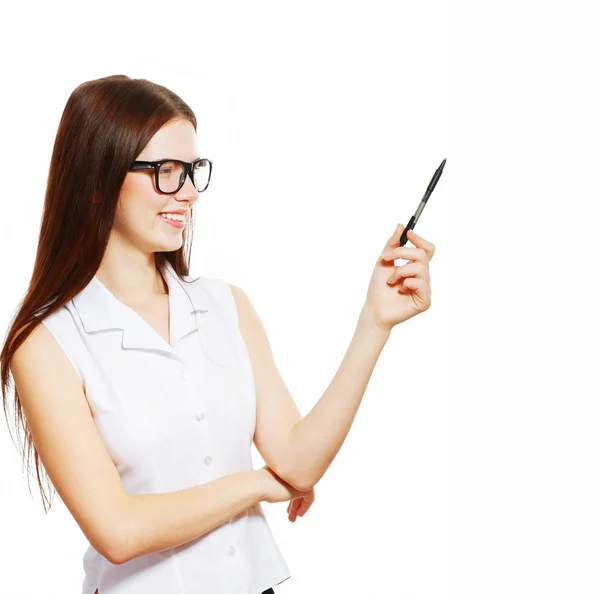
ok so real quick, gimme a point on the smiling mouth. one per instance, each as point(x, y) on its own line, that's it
point(173, 222)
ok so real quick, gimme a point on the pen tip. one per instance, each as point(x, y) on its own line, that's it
point(443, 163)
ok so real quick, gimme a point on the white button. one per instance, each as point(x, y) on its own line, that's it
point(232, 550)
point(185, 374)
point(199, 416)
point(208, 460)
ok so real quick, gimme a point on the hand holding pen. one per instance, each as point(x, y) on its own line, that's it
point(396, 297)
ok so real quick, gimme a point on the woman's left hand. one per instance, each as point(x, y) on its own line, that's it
point(300, 505)
point(397, 293)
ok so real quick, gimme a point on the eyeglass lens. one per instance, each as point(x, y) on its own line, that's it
point(170, 176)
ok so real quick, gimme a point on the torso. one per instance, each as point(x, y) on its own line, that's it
point(156, 314)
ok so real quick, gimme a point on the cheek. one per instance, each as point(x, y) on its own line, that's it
point(138, 211)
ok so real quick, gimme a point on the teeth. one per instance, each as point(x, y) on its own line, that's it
point(173, 217)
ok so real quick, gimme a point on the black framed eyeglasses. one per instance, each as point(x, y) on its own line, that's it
point(170, 174)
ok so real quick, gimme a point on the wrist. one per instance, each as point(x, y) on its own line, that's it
point(260, 481)
point(369, 322)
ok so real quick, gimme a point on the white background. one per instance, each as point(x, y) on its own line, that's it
point(472, 465)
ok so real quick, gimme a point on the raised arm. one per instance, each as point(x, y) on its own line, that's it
point(300, 450)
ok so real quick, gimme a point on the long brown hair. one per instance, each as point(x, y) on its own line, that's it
point(106, 123)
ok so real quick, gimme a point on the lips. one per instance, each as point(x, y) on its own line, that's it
point(174, 222)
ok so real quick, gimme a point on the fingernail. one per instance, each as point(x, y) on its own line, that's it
point(385, 255)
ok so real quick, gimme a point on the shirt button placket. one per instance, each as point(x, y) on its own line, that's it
point(240, 572)
point(199, 415)
point(185, 376)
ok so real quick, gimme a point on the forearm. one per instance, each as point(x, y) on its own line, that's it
point(317, 438)
point(157, 522)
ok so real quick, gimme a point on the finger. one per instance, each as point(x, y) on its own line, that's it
point(421, 242)
point(420, 291)
point(406, 253)
point(300, 510)
point(293, 512)
point(412, 269)
point(394, 240)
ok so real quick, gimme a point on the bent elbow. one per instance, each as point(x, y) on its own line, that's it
point(118, 552)
point(306, 485)
point(116, 546)
point(112, 551)
point(114, 557)
point(293, 478)
point(301, 482)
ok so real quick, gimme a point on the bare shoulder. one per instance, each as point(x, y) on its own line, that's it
point(240, 297)
point(257, 342)
point(39, 347)
point(41, 353)
point(249, 322)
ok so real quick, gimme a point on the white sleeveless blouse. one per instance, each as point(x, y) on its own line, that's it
point(172, 417)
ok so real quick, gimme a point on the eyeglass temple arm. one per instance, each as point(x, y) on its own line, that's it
point(141, 165)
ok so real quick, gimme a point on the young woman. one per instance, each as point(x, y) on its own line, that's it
point(142, 389)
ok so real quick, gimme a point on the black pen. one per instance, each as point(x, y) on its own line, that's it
point(415, 217)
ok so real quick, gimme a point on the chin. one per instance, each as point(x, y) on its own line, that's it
point(169, 246)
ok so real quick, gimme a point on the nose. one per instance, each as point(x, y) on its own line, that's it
point(188, 190)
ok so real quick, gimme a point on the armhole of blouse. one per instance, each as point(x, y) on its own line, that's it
point(232, 304)
point(66, 352)
point(220, 290)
